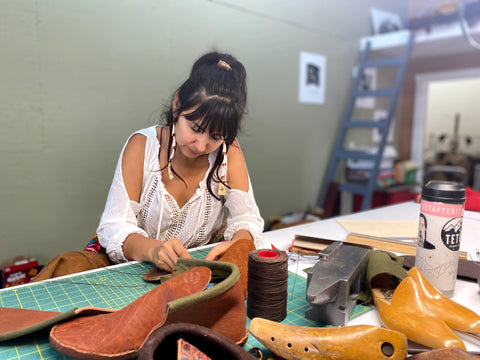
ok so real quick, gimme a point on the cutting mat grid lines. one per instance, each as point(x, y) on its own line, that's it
point(113, 288)
point(110, 288)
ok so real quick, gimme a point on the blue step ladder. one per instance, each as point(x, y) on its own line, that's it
point(366, 189)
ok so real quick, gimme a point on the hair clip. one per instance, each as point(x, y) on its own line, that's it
point(223, 64)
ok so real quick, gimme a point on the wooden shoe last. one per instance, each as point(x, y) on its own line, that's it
point(456, 316)
point(408, 313)
point(360, 342)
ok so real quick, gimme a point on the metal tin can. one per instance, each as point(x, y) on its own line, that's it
point(439, 233)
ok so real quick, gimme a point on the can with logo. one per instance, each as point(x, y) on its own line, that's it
point(439, 233)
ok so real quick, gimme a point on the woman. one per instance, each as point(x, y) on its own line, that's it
point(172, 183)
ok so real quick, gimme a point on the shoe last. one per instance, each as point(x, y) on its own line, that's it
point(408, 312)
point(356, 342)
point(455, 315)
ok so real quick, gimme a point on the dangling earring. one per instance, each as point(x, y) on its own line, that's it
point(222, 189)
point(174, 145)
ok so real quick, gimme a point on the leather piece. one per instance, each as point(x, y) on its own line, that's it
point(224, 276)
point(385, 270)
point(18, 322)
point(220, 308)
point(119, 335)
point(237, 254)
point(187, 351)
point(444, 354)
point(162, 343)
point(72, 262)
point(155, 275)
point(224, 313)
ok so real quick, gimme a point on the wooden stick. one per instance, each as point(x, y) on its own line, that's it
point(407, 246)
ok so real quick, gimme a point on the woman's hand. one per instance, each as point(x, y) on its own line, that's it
point(218, 250)
point(166, 254)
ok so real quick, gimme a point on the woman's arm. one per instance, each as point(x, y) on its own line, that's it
point(119, 220)
point(137, 246)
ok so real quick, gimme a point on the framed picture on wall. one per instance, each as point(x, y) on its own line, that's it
point(385, 21)
point(312, 78)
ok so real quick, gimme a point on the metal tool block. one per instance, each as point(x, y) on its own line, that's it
point(334, 281)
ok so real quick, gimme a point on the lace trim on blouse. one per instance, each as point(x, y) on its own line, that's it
point(178, 217)
point(202, 232)
point(143, 215)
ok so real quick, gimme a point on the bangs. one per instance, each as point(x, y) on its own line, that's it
point(219, 116)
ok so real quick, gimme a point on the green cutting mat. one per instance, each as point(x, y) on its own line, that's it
point(114, 288)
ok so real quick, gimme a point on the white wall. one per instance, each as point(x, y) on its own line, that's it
point(79, 76)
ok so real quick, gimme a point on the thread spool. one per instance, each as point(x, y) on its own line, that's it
point(267, 288)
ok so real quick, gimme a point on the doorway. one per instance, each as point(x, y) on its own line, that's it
point(424, 83)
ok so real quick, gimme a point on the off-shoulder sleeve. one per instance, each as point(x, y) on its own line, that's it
point(119, 218)
point(243, 215)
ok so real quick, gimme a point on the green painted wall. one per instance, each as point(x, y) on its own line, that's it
point(78, 77)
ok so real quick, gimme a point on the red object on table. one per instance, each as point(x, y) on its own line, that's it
point(19, 270)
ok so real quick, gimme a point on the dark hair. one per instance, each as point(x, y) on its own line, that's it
point(217, 87)
point(424, 219)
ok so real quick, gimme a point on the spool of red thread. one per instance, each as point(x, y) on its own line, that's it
point(267, 288)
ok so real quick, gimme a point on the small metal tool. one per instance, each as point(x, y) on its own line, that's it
point(334, 281)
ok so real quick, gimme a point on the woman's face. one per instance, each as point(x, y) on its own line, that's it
point(191, 140)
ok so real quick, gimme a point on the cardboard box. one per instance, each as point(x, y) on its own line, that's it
point(19, 270)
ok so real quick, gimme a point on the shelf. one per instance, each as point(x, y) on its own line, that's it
point(441, 41)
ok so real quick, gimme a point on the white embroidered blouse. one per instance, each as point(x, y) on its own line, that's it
point(158, 216)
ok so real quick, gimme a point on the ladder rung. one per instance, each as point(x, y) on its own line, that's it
point(353, 188)
point(366, 123)
point(383, 62)
point(345, 154)
point(377, 93)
